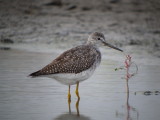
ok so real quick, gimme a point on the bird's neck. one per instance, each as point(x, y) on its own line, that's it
point(92, 45)
point(91, 42)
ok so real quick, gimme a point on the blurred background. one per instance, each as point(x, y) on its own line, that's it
point(124, 22)
point(34, 32)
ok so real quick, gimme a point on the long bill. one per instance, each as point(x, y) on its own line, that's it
point(111, 46)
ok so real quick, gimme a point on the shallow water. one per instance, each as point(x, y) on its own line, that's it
point(103, 96)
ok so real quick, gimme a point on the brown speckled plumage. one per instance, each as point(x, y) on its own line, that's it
point(75, 60)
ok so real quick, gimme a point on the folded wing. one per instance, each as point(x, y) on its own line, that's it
point(75, 60)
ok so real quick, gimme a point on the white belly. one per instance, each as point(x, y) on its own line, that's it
point(71, 78)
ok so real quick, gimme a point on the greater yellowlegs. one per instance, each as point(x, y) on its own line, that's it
point(77, 64)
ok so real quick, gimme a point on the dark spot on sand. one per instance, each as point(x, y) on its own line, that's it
point(6, 40)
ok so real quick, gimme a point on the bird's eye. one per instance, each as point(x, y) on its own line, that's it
point(99, 38)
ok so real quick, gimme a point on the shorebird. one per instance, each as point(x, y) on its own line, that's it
point(77, 64)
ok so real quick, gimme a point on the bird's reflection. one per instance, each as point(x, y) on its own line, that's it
point(72, 115)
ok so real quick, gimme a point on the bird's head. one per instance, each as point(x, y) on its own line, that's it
point(98, 38)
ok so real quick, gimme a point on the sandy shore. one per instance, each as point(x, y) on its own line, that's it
point(124, 22)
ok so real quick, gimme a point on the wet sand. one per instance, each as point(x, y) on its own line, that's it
point(124, 22)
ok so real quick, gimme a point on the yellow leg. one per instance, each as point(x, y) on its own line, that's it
point(69, 95)
point(69, 99)
point(77, 106)
point(77, 93)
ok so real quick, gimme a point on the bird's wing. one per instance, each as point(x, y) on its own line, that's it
point(75, 60)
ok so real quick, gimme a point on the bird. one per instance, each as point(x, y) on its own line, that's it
point(76, 64)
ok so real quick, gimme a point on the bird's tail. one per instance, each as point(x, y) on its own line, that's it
point(35, 74)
